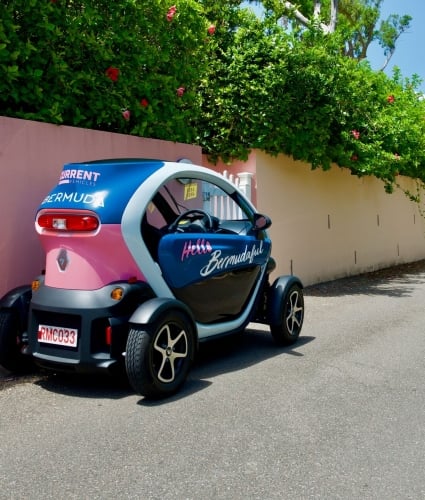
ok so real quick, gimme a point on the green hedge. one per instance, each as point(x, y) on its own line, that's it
point(155, 69)
point(122, 66)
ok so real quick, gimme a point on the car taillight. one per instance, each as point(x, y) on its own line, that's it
point(68, 222)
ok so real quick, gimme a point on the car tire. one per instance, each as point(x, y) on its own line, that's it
point(159, 356)
point(11, 356)
point(291, 317)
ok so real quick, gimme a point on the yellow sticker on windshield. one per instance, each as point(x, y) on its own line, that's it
point(190, 191)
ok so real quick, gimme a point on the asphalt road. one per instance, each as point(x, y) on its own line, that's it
point(341, 415)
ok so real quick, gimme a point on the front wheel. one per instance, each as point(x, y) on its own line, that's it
point(11, 356)
point(287, 330)
point(158, 356)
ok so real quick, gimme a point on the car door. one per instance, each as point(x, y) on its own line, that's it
point(213, 262)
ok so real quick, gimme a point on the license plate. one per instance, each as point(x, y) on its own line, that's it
point(57, 335)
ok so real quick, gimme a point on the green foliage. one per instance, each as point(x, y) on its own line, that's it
point(385, 133)
point(82, 62)
point(298, 94)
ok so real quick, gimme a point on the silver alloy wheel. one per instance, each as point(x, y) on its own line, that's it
point(295, 312)
point(171, 346)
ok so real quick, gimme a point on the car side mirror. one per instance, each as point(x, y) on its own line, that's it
point(261, 222)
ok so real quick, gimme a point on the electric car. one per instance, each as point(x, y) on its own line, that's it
point(145, 259)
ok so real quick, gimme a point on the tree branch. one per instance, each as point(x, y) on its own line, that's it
point(299, 16)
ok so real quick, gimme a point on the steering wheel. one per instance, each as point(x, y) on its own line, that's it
point(192, 216)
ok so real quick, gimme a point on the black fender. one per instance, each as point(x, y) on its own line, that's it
point(152, 309)
point(18, 300)
point(277, 292)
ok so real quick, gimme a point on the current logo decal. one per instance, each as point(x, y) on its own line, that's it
point(74, 176)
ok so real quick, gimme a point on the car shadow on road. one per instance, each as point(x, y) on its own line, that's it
point(223, 355)
point(397, 281)
point(86, 386)
point(229, 354)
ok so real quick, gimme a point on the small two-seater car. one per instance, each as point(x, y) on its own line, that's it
point(144, 260)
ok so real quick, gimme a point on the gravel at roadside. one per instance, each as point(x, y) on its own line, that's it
point(367, 282)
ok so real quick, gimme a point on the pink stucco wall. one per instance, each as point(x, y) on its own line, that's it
point(325, 224)
point(31, 157)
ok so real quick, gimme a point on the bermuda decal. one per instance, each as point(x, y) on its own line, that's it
point(219, 263)
point(95, 200)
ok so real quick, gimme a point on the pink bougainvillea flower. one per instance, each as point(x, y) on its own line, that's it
point(211, 29)
point(171, 13)
point(144, 103)
point(390, 99)
point(355, 134)
point(112, 73)
point(180, 91)
point(354, 157)
point(126, 114)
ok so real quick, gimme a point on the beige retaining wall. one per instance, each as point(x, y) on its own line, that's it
point(331, 224)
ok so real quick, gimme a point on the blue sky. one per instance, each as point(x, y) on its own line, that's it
point(408, 55)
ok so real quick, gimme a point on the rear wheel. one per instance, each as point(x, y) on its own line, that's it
point(291, 317)
point(158, 356)
point(11, 356)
